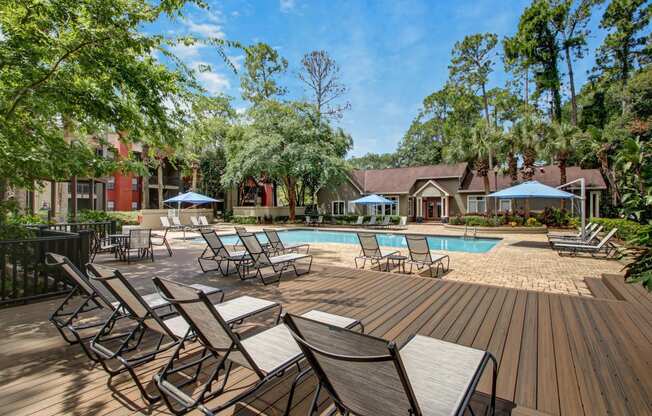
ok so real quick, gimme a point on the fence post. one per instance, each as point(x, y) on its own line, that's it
point(84, 247)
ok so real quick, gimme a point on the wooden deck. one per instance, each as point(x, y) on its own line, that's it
point(559, 355)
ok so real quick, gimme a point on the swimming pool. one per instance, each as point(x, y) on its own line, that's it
point(437, 242)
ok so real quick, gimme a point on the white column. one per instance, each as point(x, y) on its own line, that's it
point(446, 200)
point(597, 204)
point(419, 207)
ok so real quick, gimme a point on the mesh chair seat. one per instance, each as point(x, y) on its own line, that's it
point(155, 301)
point(274, 348)
point(231, 311)
point(287, 257)
point(440, 373)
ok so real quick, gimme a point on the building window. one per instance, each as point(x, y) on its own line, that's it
point(134, 184)
point(134, 206)
point(338, 208)
point(410, 206)
point(476, 204)
point(110, 183)
point(110, 205)
point(505, 205)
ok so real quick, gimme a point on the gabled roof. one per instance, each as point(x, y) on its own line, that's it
point(547, 175)
point(401, 180)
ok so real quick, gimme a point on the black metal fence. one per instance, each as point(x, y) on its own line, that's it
point(23, 274)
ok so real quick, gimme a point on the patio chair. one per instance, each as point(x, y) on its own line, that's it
point(141, 241)
point(203, 221)
point(385, 223)
point(319, 222)
point(370, 250)
point(261, 259)
point(216, 251)
point(102, 244)
point(366, 375)
point(160, 240)
point(278, 246)
point(360, 221)
point(123, 349)
point(587, 240)
point(422, 256)
point(308, 221)
point(73, 322)
point(197, 224)
point(402, 224)
point(604, 247)
point(269, 354)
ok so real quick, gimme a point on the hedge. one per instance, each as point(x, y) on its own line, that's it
point(627, 229)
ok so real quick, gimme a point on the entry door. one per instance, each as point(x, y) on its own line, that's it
point(430, 208)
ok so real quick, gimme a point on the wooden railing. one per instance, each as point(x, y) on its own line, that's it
point(24, 276)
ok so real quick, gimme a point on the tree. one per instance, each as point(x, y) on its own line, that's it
point(526, 135)
point(212, 164)
point(536, 43)
point(559, 145)
point(285, 143)
point(321, 75)
point(90, 64)
point(262, 65)
point(571, 25)
point(373, 161)
point(624, 45)
point(472, 63)
point(210, 120)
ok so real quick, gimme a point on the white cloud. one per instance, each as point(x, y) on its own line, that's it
point(236, 61)
point(209, 30)
point(287, 5)
point(187, 51)
point(214, 82)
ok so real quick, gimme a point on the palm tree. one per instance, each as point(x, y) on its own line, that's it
point(527, 136)
point(559, 145)
point(508, 146)
point(481, 146)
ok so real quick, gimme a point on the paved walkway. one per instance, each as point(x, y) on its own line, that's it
point(521, 261)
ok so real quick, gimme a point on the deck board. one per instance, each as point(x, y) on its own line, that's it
point(559, 355)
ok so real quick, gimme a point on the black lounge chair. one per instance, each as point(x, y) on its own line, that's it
point(120, 348)
point(269, 354)
point(422, 256)
point(160, 240)
point(277, 245)
point(260, 259)
point(365, 375)
point(370, 250)
point(217, 252)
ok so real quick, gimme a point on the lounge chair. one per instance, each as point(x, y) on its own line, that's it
point(366, 375)
point(80, 322)
point(220, 254)
point(269, 354)
point(160, 240)
point(261, 259)
point(319, 222)
point(371, 223)
point(588, 229)
point(587, 239)
point(308, 221)
point(422, 256)
point(604, 247)
point(165, 222)
point(402, 224)
point(359, 222)
point(203, 221)
point(386, 222)
point(121, 349)
point(278, 246)
point(370, 250)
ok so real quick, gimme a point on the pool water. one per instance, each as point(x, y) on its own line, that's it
point(436, 242)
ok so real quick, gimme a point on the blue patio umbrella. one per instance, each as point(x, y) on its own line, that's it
point(373, 199)
point(192, 198)
point(531, 189)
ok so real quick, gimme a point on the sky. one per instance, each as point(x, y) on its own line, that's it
point(392, 53)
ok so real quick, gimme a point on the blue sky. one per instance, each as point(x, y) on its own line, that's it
point(392, 53)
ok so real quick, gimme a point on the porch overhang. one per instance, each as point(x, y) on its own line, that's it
point(430, 189)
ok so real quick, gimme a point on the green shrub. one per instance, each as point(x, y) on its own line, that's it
point(120, 217)
point(244, 220)
point(627, 230)
point(532, 222)
point(553, 217)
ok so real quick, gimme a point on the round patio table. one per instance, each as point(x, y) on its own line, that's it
point(397, 260)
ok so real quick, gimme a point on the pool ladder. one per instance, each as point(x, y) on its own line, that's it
point(466, 232)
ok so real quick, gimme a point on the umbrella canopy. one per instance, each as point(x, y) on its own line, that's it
point(373, 200)
point(192, 198)
point(531, 189)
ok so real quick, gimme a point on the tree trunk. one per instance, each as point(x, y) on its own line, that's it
point(194, 177)
point(292, 196)
point(529, 157)
point(159, 182)
point(485, 100)
point(73, 198)
point(607, 173)
point(512, 165)
point(571, 82)
point(561, 162)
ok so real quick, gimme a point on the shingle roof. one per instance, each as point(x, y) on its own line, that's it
point(548, 175)
point(400, 180)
